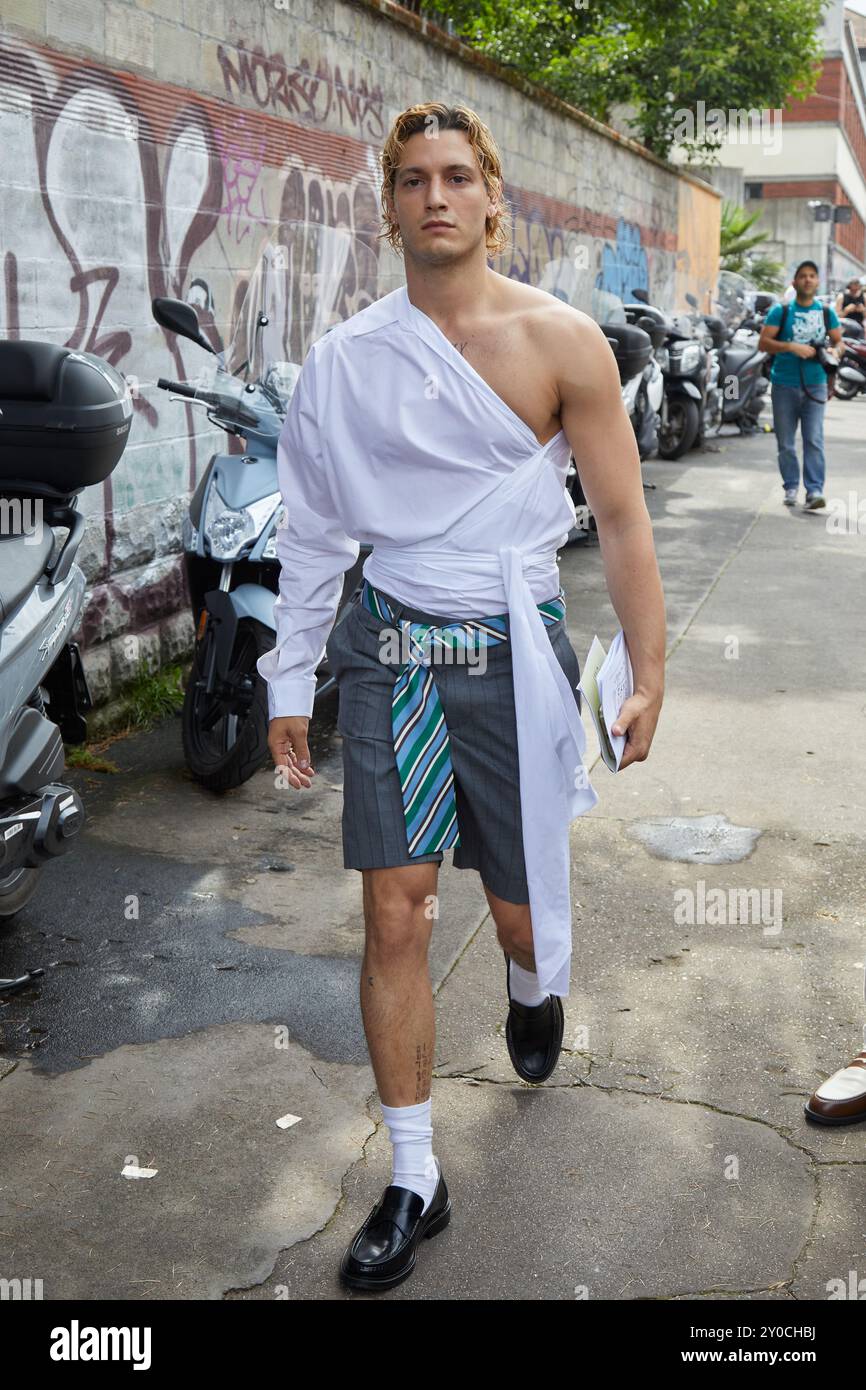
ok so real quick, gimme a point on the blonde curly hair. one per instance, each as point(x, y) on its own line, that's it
point(416, 120)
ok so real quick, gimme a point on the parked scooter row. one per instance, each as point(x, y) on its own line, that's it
point(65, 418)
point(713, 375)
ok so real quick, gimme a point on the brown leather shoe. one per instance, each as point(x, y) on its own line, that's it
point(533, 1034)
point(841, 1099)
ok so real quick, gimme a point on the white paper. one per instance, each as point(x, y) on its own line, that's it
point(606, 682)
point(615, 685)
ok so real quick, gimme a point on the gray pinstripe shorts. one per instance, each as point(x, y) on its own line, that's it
point(479, 712)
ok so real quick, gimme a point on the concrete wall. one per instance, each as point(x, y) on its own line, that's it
point(150, 148)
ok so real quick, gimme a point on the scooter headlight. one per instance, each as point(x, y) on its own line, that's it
point(228, 529)
point(687, 359)
point(663, 358)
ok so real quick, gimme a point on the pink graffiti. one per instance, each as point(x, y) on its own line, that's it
point(241, 170)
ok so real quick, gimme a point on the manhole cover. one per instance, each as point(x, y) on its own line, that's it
point(696, 839)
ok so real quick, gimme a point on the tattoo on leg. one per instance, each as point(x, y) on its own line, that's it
point(370, 980)
point(422, 1073)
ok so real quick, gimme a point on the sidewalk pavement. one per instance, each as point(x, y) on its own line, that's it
point(202, 959)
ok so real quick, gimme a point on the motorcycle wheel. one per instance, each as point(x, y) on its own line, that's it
point(682, 428)
point(228, 753)
point(845, 390)
point(16, 890)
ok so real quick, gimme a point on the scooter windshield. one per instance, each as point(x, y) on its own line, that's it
point(734, 296)
point(307, 278)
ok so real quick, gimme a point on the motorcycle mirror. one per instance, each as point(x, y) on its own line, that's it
point(690, 299)
point(179, 317)
point(641, 295)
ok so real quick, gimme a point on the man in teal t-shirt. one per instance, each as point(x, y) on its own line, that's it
point(791, 333)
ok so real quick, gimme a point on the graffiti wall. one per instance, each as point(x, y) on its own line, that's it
point(120, 185)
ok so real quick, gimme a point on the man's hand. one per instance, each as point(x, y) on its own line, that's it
point(287, 740)
point(802, 349)
point(637, 720)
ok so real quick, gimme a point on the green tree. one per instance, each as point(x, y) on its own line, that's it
point(738, 249)
point(658, 57)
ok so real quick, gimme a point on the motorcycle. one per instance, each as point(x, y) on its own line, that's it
point(682, 357)
point(640, 387)
point(743, 368)
point(65, 418)
point(642, 393)
point(851, 376)
point(298, 291)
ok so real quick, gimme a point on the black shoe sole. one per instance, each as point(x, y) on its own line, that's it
point(369, 1283)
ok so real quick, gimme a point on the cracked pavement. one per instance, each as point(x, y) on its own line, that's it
point(201, 960)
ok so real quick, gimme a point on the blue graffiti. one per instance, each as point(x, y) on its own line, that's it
point(624, 267)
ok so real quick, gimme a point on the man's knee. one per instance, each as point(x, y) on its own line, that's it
point(513, 924)
point(400, 907)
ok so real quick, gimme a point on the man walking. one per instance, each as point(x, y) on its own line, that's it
point(436, 425)
point(792, 333)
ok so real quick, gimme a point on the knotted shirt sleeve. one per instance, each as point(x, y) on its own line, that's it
point(314, 552)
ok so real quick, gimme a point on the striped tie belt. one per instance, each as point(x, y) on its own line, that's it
point(421, 743)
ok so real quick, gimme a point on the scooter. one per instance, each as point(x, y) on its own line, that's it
point(230, 533)
point(683, 360)
point(640, 387)
point(851, 376)
point(741, 388)
point(65, 418)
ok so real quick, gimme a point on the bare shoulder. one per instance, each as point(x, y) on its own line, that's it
point(549, 323)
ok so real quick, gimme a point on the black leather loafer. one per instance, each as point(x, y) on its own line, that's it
point(534, 1034)
point(382, 1253)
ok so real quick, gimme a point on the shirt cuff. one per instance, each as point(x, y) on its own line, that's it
point(291, 695)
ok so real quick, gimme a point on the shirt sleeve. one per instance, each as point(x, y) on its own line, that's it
point(314, 552)
point(774, 316)
point(833, 318)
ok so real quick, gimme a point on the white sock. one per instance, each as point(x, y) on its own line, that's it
point(524, 985)
point(411, 1133)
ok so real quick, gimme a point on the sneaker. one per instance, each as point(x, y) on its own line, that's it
point(790, 497)
point(814, 501)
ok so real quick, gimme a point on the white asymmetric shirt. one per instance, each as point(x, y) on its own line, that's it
point(393, 440)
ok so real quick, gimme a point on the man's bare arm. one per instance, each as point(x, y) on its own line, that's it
point(602, 441)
